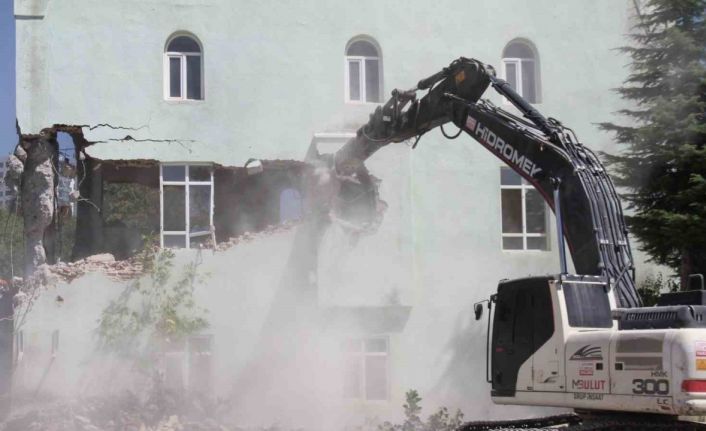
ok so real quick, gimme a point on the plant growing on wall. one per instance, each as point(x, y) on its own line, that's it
point(153, 311)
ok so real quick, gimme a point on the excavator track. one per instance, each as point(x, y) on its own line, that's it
point(573, 422)
point(535, 423)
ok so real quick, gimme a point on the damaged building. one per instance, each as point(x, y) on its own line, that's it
point(198, 128)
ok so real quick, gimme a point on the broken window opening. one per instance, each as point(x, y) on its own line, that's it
point(118, 211)
point(186, 202)
point(252, 203)
point(89, 222)
point(65, 220)
point(127, 205)
point(131, 213)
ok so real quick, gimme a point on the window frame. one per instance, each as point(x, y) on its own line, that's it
point(523, 187)
point(182, 56)
point(361, 356)
point(191, 353)
point(186, 183)
point(518, 74)
point(518, 61)
point(361, 60)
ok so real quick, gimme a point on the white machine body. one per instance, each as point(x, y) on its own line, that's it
point(571, 364)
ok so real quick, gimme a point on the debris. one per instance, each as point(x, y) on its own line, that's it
point(19, 298)
point(254, 166)
point(123, 270)
point(21, 154)
point(104, 263)
point(124, 412)
point(15, 167)
point(100, 258)
point(250, 236)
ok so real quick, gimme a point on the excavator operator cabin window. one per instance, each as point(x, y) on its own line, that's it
point(521, 69)
point(524, 216)
point(363, 72)
point(183, 67)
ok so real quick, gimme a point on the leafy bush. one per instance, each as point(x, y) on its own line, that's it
point(653, 286)
point(154, 310)
point(439, 421)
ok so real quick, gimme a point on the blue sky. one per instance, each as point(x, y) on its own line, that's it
point(8, 136)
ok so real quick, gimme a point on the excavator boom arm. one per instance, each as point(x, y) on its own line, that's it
point(541, 150)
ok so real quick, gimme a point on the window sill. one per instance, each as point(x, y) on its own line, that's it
point(184, 101)
point(357, 103)
point(524, 251)
point(362, 401)
point(508, 103)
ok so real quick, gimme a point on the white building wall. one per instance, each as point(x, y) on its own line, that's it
point(274, 73)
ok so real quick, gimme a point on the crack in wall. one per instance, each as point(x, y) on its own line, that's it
point(110, 126)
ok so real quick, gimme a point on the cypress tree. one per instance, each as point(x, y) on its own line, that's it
point(662, 165)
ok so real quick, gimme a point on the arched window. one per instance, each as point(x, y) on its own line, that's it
point(183, 67)
point(363, 72)
point(521, 69)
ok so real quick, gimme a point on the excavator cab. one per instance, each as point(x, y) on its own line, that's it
point(531, 320)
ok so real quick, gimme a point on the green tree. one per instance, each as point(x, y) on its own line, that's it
point(663, 165)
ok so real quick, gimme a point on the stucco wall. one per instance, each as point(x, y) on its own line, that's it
point(274, 71)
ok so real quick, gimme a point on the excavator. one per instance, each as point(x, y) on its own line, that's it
point(578, 340)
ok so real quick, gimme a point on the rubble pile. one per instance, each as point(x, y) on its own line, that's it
point(122, 413)
point(252, 236)
point(123, 270)
point(105, 263)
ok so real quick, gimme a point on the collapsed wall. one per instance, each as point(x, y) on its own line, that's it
point(61, 293)
point(60, 354)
